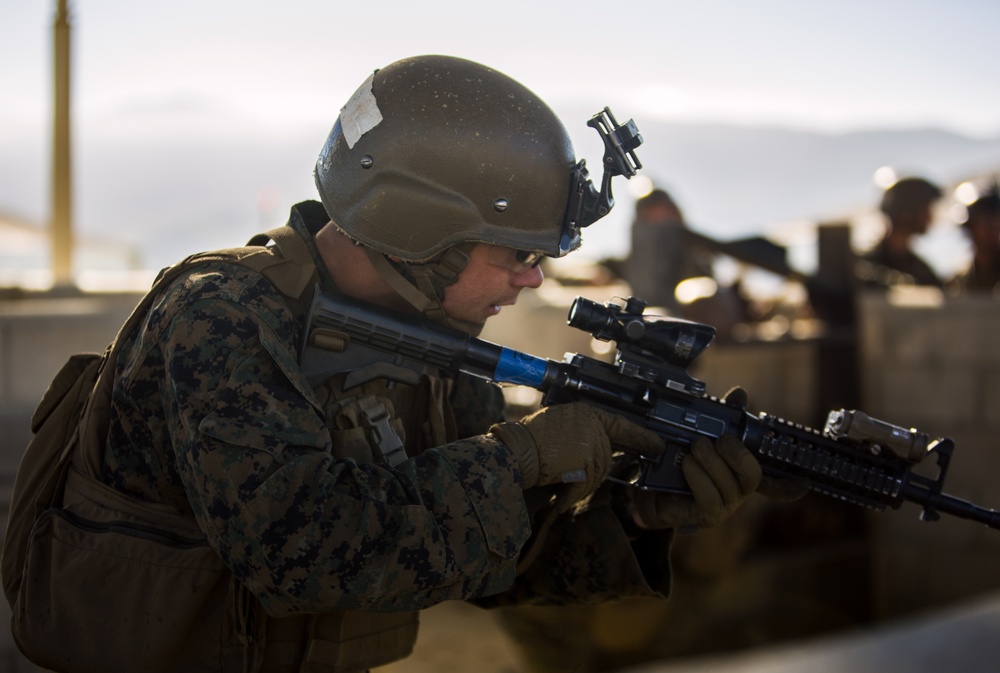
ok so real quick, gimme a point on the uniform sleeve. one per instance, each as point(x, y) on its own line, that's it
point(477, 405)
point(585, 557)
point(305, 531)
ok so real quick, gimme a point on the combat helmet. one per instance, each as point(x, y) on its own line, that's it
point(433, 154)
point(908, 196)
point(986, 201)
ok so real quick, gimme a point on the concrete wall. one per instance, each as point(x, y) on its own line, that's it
point(36, 337)
point(933, 367)
point(779, 377)
point(937, 368)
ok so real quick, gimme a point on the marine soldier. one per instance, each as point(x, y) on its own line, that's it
point(342, 512)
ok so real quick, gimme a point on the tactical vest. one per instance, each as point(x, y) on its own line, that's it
point(375, 422)
point(219, 625)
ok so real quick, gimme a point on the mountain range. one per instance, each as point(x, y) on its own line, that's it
point(737, 178)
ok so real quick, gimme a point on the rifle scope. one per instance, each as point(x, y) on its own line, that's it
point(675, 341)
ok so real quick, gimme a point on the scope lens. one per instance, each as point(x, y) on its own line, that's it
point(588, 315)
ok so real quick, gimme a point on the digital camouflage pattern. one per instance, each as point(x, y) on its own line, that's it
point(211, 415)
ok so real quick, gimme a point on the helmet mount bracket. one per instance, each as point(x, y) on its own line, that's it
point(587, 204)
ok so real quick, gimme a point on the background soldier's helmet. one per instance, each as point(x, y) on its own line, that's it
point(986, 202)
point(434, 151)
point(909, 195)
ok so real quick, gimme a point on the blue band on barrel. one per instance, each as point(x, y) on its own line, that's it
point(520, 368)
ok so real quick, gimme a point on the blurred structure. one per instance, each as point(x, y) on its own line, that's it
point(36, 257)
point(62, 165)
point(674, 267)
point(26, 265)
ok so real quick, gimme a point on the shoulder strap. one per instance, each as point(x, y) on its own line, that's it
point(293, 270)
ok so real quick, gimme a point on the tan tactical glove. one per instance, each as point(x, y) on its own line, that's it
point(571, 444)
point(721, 477)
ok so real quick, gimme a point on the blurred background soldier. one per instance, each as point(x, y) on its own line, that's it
point(663, 253)
point(982, 226)
point(906, 205)
point(672, 267)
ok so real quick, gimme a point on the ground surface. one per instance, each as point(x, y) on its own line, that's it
point(456, 637)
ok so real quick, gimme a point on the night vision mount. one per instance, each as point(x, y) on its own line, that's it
point(586, 204)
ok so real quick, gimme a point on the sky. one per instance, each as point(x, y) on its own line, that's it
point(172, 98)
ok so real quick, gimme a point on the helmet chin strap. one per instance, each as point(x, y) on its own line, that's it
point(422, 284)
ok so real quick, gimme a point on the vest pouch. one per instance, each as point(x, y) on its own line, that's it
point(338, 642)
point(110, 588)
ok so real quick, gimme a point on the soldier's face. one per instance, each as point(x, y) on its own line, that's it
point(492, 279)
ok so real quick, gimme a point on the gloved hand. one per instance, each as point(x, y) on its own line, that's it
point(721, 477)
point(772, 488)
point(571, 444)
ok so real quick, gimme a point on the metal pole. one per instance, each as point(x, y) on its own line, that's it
point(62, 193)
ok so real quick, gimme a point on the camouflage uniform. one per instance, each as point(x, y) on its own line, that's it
point(212, 416)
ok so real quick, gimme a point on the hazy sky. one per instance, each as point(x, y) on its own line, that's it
point(270, 77)
point(827, 64)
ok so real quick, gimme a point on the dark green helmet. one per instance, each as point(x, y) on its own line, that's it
point(434, 151)
point(908, 196)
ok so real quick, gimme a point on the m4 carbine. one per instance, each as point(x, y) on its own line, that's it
point(855, 458)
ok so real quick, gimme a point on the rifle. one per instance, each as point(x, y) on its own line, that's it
point(855, 458)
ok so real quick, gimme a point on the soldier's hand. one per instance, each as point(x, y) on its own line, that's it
point(721, 476)
point(571, 444)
